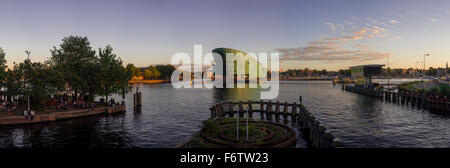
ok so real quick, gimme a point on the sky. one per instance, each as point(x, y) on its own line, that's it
point(317, 34)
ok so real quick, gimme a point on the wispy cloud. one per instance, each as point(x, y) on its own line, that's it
point(331, 26)
point(433, 20)
point(360, 46)
point(332, 48)
point(393, 21)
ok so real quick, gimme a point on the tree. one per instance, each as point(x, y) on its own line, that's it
point(13, 83)
point(41, 82)
point(138, 72)
point(78, 62)
point(148, 74)
point(431, 71)
point(165, 70)
point(3, 67)
point(112, 72)
point(131, 70)
point(155, 72)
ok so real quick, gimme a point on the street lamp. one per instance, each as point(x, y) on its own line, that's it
point(424, 65)
point(423, 75)
point(28, 78)
point(417, 70)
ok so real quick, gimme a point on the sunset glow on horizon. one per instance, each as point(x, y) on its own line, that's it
point(323, 34)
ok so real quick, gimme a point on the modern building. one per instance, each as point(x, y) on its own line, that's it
point(364, 73)
point(240, 58)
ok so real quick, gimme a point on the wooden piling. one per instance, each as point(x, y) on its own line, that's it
point(250, 109)
point(269, 111)
point(285, 111)
point(262, 109)
point(277, 111)
point(230, 110)
point(294, 112)
point(241, 110)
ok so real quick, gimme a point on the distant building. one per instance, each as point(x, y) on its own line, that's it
point(364, 73)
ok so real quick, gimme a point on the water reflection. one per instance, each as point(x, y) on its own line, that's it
point(170, 115)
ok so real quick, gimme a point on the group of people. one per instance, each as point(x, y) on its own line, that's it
point(10, 106)
point(66, 102)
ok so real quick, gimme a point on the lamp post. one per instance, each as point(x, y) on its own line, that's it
point(423, 74)
point(28, 78)
point(388, 71)
point(417, 70)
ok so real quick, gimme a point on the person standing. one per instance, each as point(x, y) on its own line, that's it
point(32, 115)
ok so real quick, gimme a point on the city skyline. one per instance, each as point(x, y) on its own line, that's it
point(322, 34)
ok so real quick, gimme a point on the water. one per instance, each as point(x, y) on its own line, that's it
point(169, 116)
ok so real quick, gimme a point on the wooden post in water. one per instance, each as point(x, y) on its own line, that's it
point(262, 109)
point(241, 110)
point(137, 101)
point(285, 111)
point(222, 111)
point(269, 111)
point(213, 111)
point(250, 109)
point(230, 110)
point(294, 112)
point(277, 111)
point(301, 99)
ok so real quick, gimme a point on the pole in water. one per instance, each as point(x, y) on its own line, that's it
point(247, 124)
point(237, 126)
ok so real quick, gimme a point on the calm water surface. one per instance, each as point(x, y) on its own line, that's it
point(169, 116)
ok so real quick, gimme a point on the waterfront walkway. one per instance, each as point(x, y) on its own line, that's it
point(54, 116)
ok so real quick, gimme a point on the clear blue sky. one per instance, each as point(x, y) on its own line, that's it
point(329, 34)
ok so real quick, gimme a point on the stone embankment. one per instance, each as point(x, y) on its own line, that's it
point(55, 116)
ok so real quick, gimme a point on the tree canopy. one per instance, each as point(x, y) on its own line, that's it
point(74, 68)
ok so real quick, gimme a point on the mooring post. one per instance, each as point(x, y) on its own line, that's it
point(212, 111)
point(217, 110)
point(230, 110)
point(269, 111)
point(277, 111)
point(262, 109)
point(241, 110)
point(250, 109)
point(294, 112)
point(222, 114)
point(285, 110)
point(135, 101)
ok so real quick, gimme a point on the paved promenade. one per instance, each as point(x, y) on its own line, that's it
point(54, 116)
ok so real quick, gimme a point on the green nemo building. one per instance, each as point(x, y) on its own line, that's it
point(232, 63)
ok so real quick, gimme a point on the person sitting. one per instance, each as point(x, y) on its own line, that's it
point(25, 113)
point(32, 115)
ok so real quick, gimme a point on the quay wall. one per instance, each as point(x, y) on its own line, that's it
point(405, 97)
point(149, 81)
point(55, 116)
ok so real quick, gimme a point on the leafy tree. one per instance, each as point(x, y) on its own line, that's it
point(13, 83)
point(41, 82)
point(431, 71)
point(112, 72)
point(165, 70)
point(138, 72)
point(131, 70)
point(155, 72)
point(3, 67)
point(148, 74)
point(76, 59)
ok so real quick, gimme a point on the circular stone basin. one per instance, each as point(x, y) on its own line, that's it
point(261, 135)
